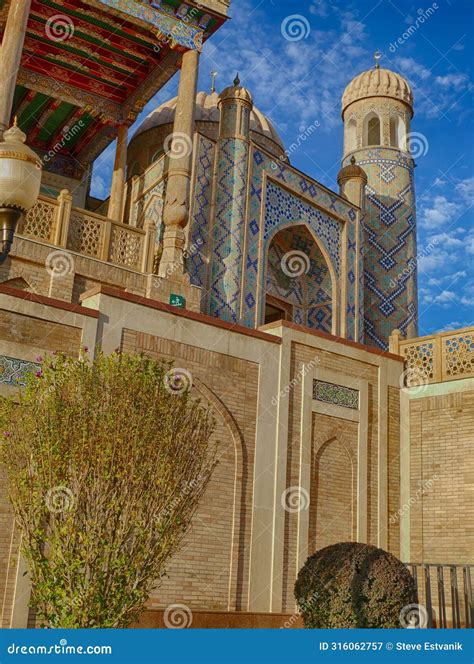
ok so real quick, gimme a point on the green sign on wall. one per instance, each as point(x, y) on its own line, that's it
point(177, 301)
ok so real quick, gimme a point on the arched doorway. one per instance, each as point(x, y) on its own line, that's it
point(298, 284)
point(332, 507)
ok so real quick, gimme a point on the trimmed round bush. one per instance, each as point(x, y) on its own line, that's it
point(353, 585)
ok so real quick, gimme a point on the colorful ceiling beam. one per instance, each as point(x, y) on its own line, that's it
point(94, 65)
point(181, 32)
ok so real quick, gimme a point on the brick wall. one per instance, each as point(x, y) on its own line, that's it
point(24, 333)
point(333, 507)
point(442, 478)
point(211, 570)
point(335, 362)
point(35, 332)
point(393, 470)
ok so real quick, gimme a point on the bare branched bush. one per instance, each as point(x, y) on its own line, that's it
point(106, 467)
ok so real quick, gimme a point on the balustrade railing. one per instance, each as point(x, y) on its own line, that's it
point(444, 593)
point(434, 359)
point(57, 222)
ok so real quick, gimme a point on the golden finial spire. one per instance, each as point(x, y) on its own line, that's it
point(213, 80)
point(237, 81)
point(377, 57)
point(15, 121)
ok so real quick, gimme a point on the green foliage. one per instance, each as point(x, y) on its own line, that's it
point(353, 585)
point(106, 465)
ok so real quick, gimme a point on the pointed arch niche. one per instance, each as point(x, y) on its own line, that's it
point(299, 283)
point(351, 136)
point(397, 132)
point(333, 489)
point(333, 460)
point(219, 580)
point(372, 129)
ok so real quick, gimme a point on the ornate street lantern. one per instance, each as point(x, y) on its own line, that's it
point(20, 180)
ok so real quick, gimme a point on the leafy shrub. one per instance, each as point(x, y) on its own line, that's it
point(107, 461)
point(353, 585)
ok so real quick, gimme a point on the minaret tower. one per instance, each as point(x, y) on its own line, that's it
point(377, 107)
point(228, 232)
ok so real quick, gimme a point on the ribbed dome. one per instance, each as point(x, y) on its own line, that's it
point(352, 170)
point(206, 110)
point(377, 82)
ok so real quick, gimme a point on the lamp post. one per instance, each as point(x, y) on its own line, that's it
point(20, 180)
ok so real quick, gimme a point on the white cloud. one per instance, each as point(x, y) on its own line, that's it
point(455, 325)
point(469, 245)
point(467, 296)
point(441, 212)
point(447, 240)
point(434, 96)
point(320, 8)
point(456, 81)
point(315, 70)
point(447, 279)
point(466, 189)
point(411, 68)
point(99, 188)
point(445, 298)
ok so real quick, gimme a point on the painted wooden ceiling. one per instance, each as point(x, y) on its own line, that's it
point(88, 67)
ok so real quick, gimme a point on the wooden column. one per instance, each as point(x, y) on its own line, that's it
point(10, 56)
point(117, 191)
point(176, 209)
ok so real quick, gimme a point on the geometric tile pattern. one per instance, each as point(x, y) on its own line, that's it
point(360, 259)
point(228, 232)
point(420, 359)
point(196, 264)
point(338, 395)
point(458, 354)
point(322, 223)
point(282, 207)
point(13, 371)
point(308, 291)
point(152, 200)
point(389, 245)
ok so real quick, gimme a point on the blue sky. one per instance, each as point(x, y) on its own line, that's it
point(300, 82)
